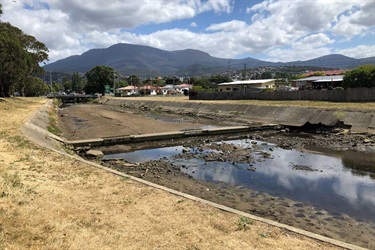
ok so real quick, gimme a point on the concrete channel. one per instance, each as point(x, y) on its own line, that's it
point(359, 121)
point(35, 129)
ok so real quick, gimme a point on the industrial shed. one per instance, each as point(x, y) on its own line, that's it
point(319, 82)
point(246, 85)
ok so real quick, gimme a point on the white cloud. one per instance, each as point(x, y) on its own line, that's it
point(234, 25)
point(306, 48)
point(103, 15)
point(279, 29)
point(358, 21)
point(315, 40)
point(361, 51)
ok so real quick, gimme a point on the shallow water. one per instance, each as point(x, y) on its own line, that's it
point(332, 183)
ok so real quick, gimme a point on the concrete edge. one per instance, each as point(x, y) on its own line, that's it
point(28, 125)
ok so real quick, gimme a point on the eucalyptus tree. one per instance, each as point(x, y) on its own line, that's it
point(20, 55)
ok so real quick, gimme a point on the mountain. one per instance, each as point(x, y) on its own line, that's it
point(129, 59)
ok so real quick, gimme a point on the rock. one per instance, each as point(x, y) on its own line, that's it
point(94, 153)
point(251, 168)
point(366, 140)
point(185, 150)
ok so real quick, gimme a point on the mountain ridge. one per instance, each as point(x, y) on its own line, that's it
point(129, 59)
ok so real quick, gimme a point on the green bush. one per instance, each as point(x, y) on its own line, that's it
point(363, 76)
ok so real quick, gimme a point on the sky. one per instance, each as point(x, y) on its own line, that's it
point(271, 30)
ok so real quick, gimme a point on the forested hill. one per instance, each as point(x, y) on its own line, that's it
point(148, 61)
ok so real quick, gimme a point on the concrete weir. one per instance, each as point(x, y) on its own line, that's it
point(359, 121)
point(167, 135)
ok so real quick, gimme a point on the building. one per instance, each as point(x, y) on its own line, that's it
point(255, 85)
point(319, 82)
point(128, 90)
point(176, 89)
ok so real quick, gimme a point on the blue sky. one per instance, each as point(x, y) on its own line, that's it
point(273, 30)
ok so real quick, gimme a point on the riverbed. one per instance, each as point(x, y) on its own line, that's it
point(322, 181)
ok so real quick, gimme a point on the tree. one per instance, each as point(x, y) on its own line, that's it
point(133, 80)
point(363, 76)
point(220, 78)
point(57, 87)
point(76, 83)
point(97, 78)
point(205, 83)
point(36, 88)
point(20, 55)
point(67, 84)
point(266, 75)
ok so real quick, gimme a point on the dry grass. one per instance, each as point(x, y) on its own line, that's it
point(49, 201)
point(311, 104)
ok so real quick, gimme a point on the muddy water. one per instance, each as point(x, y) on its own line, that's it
point(328, 182)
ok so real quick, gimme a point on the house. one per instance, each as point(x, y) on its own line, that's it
point(168, 89)
point(184, 88)
point(148, 90)
point(175, 89)
point(319, 82)
point(128, 90)
point(254, 85)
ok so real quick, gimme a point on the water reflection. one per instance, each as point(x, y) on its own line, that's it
point(331, 185)
point(147, 154)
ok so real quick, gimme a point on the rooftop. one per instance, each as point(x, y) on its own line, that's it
point(246, 82)
point(322, 78)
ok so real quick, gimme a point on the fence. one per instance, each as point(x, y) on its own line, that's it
point(347, 95)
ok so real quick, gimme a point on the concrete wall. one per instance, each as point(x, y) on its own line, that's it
point(360, 121)
point(348, 95)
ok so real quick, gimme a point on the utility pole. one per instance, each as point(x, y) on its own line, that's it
point(114, 85)
point(229, 69)
point(244, 72)
point(50, 79)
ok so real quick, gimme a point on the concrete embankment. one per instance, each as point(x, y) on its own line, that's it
point(359, 121)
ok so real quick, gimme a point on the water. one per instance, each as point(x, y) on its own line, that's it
point(147, 154)
point(333, 183)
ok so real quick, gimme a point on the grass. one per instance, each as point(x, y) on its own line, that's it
point(53, 124)
point(243, 223)
point(19, 141)
point(12, 180)
point(339, 115)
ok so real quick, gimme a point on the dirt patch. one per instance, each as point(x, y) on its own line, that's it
point(93, 121)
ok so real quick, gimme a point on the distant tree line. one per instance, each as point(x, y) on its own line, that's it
point(20, 56)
